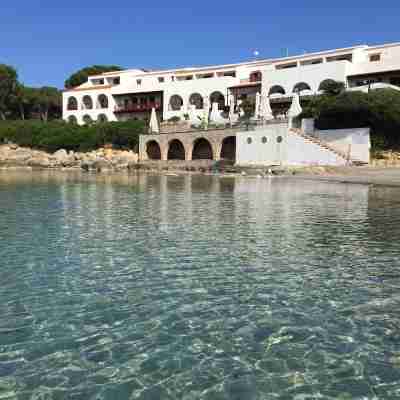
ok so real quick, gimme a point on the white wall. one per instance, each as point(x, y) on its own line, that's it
point(95, 111)
point(313, 75)
point(303, 152)
point(150, 83)
point(390, 61)
point(293, 150)
point(258, 152)
point(205, 87)
point(355, 141)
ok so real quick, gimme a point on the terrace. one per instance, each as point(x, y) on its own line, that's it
point(133, 108)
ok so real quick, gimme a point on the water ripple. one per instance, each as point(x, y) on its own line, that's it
point(151, 287)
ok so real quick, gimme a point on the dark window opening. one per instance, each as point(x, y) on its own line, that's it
point(375, 57)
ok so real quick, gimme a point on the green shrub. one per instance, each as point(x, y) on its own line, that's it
point(378, 109)
point(54, 135)
point(248, 108)
point(174, 119)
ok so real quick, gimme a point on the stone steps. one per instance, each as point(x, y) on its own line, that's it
point(328, 147)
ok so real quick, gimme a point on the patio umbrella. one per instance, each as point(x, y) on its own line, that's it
point(206, 111)
point(232, 116)
point(192, 115)
point(265, 107)
point(295, 109)
point(153, 125)
point(241, 112)
point(257, 108)
point(215, 115)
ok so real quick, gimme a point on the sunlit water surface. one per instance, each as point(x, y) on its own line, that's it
point(163, 287)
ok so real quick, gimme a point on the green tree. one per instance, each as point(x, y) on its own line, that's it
point(81, 76)
point(248, 108)
point(378, 110)
point(8, 83)
point(22, 101)
point(331, 87)
point(47, 102)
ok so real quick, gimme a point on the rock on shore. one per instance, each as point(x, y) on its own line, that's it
point(13, 156)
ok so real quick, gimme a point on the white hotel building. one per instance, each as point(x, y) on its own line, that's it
point(131, 94)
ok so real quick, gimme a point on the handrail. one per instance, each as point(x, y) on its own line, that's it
point(346, 156)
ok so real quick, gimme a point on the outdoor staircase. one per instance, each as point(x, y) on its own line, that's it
point(339, 153)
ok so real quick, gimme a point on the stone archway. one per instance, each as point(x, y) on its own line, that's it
point(153, 150)
point(202, 150)
point(228, 148)
point(176, 150)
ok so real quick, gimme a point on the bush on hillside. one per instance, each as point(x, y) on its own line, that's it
point(378, 109)
point(55, 135)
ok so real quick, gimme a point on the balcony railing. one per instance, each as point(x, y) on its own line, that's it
point(132, 108)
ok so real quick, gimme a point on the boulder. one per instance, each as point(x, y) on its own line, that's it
point(62, 158)
point(60, 154)
point(87, 165)
point(133, 165)
point(39, 161)
point(121, 166)
point(102, 165)
point(14, 159)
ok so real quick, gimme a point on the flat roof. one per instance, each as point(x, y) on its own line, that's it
point(266, 61)
point(141, 72)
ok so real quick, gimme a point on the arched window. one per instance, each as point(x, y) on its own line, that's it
point(276, 89)
point(102, 118)
point(175, 102)
point(87, 119)
point(72, 104)
point(102, 101)
point(217, 97)
point(176, 151)
point(72, 119)
point(153, 150)
point(256, 76)
point(202, 150)
point(87, 102)
point(196, 100)
point(299, 87)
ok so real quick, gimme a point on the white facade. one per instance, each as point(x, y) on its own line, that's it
point(133, 93)
point(277, 145)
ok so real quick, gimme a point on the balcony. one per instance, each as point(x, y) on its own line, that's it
point(133, 108)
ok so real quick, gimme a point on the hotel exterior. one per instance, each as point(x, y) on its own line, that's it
point(131, 94)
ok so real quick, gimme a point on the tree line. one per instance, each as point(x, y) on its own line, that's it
point(18, 101)
point(21, 102)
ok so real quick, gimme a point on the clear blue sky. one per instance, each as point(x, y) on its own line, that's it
point(47, 40)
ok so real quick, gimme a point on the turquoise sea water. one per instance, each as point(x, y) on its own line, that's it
point(163, 287)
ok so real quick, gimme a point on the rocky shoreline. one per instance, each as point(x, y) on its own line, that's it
point(384, 171)
point(13, 156)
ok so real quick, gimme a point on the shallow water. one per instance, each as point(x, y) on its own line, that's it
point(195, 287)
